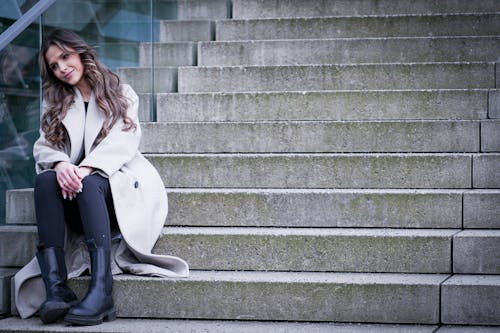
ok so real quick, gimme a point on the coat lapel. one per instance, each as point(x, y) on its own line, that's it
point(74, 122)
point(95, 120)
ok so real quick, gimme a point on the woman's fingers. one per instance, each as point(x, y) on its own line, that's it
point(68, 177)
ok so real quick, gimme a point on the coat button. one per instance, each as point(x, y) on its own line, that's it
point(136, 184)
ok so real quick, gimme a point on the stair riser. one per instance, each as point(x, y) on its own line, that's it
point(171, 54)
point(487, 170)
point(481, 210)
point(471, 300)
point(328, 253)
point(313, 171)
point(275, 300)
point(490, 138)
point(165, 79)
point(306, 8)
point(477, 252)
point(356, 27)
point(277, 208)
point(311, 137)
point(20, 252)
point(371, 251)
point(186, 31)
point(196, 9)
point(328, 77)
point(267, 53)
point(354, 105)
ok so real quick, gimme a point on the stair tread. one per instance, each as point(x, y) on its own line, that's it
point(120, 325)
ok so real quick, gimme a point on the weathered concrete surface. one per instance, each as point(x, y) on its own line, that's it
point(5, 277)
point(348, 51)
point(168, 54)
point(306, 8)
point(314, 170)
point(145, 106)
point(482, 209)
point(20, 206)
point(186, 31)
point(200, 9)
point(490, 136)
point(298, 208)
point(337, 77)
point(476, 252)
point(471, 300)
point(348, 27)
point(140, 78)
point(494, 103)
point(17, 325)
point(315, 208)
point(348, 297)
point(319, 137)
point(486, 169)
point(468, 329)
point(324, 105)
point(19, 252)
point(310, 250)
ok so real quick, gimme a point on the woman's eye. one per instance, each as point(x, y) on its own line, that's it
point(65, 56)
point(53, 67)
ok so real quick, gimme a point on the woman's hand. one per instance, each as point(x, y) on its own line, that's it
point(69, 179)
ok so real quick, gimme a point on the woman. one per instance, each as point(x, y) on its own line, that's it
point(91, 181)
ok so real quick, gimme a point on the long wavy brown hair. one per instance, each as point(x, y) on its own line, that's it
point(59, 96)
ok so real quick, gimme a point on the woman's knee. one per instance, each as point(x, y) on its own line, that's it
point(46, 180)
point(95, 183)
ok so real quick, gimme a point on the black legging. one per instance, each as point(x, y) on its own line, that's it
point(91, 212)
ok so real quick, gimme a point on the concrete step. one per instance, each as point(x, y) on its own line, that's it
point(476, 252)
point(486, 171)
point(319, 137)
point(5, 276)
point(202, 9)
point(471, 300)
point(247, 9)
point(284, 249)
point(316, 170)
point(349, 51)
point(186, 30)
point(311, 208)
point(168, 54)
point(15, 324)
point(345, 297)
point(337, 77)
point(468, 329)
point(481, 209)
point(490, 140)
point(19, 252)
point(140, 78)
point(310, 250)
point(360, 26)
point(324, 105)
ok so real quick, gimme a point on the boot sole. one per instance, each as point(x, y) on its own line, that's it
point(53, 311)
point(109, 315)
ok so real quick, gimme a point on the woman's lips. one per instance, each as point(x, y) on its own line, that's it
point(68, 76)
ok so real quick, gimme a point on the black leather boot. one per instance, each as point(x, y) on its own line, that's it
point(59, 297)
point(98, 305)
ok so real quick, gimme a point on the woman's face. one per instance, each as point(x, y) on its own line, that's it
point(65, 64)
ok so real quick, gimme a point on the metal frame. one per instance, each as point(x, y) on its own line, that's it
point(23, 22)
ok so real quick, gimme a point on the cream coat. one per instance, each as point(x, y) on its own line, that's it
point(138, 193)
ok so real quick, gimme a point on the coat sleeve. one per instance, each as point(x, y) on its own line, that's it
point(118, 147)
point(45, 153)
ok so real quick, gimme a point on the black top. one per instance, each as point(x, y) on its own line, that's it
point(86, 105)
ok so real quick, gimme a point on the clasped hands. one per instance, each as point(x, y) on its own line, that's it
point(69, 177)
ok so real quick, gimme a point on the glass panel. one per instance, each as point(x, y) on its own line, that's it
point(11, 10)
point(19, 112)
point(121, 32)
